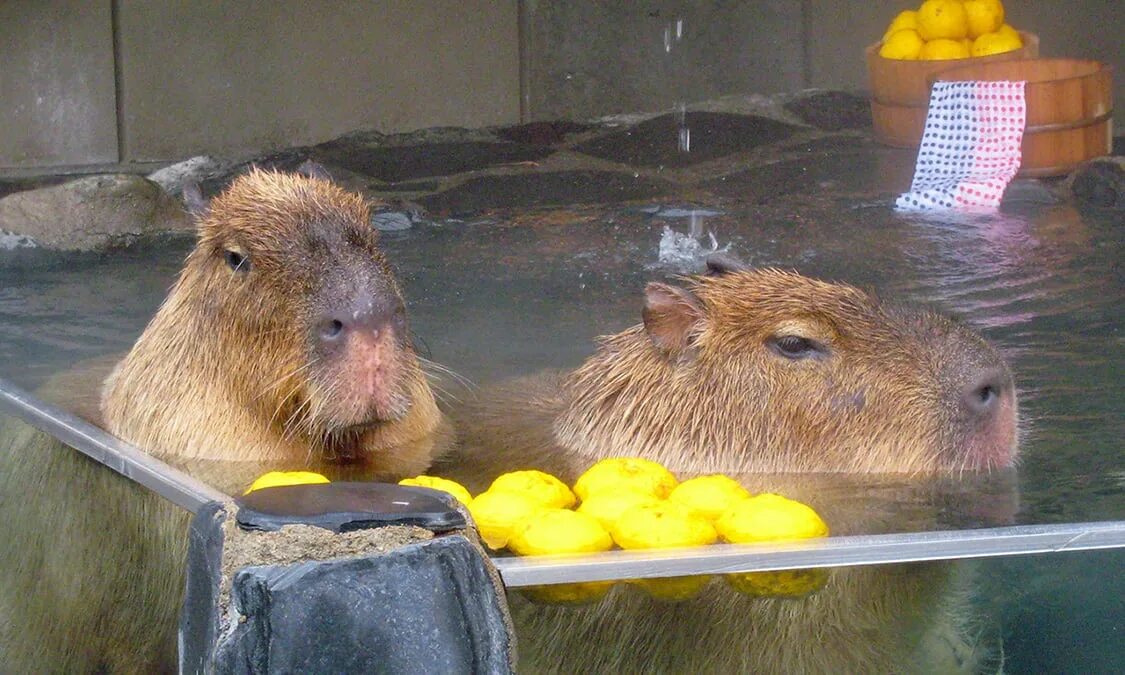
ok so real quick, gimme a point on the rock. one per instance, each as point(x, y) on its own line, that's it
point(304, 599)
point(92, 213)
point(675, 140)
point(197, 169)
point(1100, 182)
point(391, 221)
point(9, 241)
point(832, 110)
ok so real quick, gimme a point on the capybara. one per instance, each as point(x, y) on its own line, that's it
point(282, 345)
point(815, 390)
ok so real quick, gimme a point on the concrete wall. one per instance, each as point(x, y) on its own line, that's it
point(56, 83)
point(175, 78)
point(215, 76)
point(586, 58)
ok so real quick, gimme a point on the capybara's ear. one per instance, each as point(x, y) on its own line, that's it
point(719, 264)
point(194, 201)
point(672, 316)
point(314, 170)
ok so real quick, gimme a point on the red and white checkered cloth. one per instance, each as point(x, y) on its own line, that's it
point(970, 147)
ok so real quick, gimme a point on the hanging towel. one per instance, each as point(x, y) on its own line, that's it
point(970, 147)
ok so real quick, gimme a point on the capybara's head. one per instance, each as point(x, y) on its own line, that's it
point(303, 311)
point(771, 371)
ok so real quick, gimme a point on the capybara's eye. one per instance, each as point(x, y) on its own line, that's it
point(795, 346)
point(237, 261)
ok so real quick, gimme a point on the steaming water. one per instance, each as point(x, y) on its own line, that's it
point(492, 300)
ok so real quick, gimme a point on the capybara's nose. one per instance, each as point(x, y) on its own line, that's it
point(369, 318)
point(983, 396)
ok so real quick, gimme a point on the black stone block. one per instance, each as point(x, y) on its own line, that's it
point(343, 507)
point(424, 608)
point(656, 142)
point(533, 190)
point(393, 164)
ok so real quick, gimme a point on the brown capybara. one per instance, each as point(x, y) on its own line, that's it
point(283, 345)
point(815, 390)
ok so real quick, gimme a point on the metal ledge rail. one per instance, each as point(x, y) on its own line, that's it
point(190, 494)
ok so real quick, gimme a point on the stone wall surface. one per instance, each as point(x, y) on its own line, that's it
point(56, 83)
point(176, 79)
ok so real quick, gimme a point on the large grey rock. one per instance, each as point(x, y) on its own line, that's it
point(304, 599)
point(92, 213)
point(1100, 182)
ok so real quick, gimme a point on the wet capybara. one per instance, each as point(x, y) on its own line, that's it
point(815, 390)
point(282, 345)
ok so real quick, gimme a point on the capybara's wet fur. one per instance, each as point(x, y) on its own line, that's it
point(283, 345)
point(814, 390)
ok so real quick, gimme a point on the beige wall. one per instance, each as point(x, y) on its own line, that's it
point(214, 76)
point(249, 75)
point(56, 83)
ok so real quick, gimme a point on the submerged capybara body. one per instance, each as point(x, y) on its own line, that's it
point(814, 390)
point(283, 345)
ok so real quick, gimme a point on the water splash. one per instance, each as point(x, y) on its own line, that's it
point(688, 251)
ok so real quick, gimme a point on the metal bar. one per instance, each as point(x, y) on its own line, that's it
point(829, 552)
point(140, 467)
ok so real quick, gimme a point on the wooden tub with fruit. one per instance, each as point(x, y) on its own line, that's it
point(918, 45)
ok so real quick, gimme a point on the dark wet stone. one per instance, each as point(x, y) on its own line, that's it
point(831, 144)
point(655, 142)
point(408, 186)
point(343, 507)
point(1029, 191)
point(542, 133)
point(409, 162)
point(839, 173)
point(832, 110)
point(1100, 182)
point(542, 189)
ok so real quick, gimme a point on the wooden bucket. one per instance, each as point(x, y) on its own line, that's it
point(1069, 109)
point(900, 90)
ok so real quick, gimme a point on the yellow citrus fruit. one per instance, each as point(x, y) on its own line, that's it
point(996, 43)
point(536, 485)
point(675, 589)
point(496, 514)
point(1006, 29)
point(903, 45)
point(568, 594)
point(662, 525)
point(942, 19)
point(942, 50)
point(983, 16)
point(434, 483)
point(625, 473)
point(770, 517)
point(559, 531)
point(903, 20)
point(607, 507)
point(709, 496)
point(279, 478)
point(784, 584)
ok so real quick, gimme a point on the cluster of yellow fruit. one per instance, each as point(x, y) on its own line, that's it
point(636, 504)
point(950, 29)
